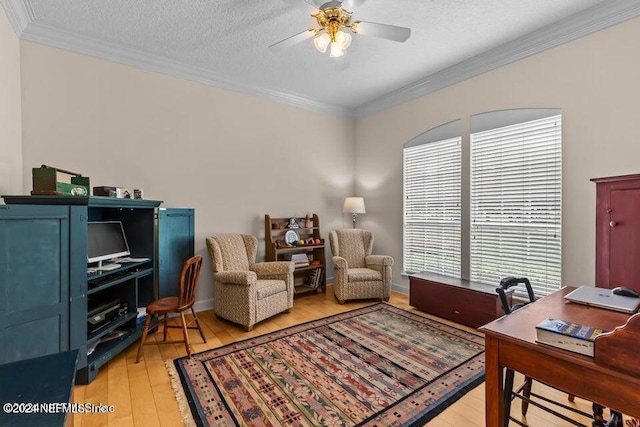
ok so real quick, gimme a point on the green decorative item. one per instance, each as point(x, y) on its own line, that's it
point(49, 180)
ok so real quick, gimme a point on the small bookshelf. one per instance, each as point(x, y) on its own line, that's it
point(307, 251)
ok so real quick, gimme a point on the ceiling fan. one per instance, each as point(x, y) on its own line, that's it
point(333, 18)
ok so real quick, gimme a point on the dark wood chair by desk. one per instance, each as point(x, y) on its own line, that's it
point(42, 380)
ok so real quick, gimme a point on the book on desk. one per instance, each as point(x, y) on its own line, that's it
point(568, 336)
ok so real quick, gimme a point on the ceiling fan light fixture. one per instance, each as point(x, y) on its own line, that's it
point(333, 18)
point(322, 42)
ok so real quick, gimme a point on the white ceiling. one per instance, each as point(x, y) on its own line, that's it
point(225, 42)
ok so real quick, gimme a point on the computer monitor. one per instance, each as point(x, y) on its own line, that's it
point(106, 240)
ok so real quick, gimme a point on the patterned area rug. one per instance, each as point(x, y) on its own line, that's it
point(374, 366)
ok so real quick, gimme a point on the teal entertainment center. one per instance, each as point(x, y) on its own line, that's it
point(48, 295)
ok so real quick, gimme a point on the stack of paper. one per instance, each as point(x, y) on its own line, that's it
point(299, 260)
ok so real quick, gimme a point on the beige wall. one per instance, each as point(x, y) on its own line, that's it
point(230, 156)
point(594, 80)
point(10, 110)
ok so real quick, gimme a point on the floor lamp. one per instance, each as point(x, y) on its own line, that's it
point(354, 206)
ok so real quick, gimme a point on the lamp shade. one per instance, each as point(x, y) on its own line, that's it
point(354, 205)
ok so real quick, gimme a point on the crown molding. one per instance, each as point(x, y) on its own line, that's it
point(20, 14)
point(55, 37)
point(604, 15)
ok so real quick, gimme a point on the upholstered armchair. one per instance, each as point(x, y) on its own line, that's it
point(358, 274)
point(246, 292)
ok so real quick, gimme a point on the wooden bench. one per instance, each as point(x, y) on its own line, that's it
point(459, 300)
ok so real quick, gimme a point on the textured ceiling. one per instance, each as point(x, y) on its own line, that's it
point(230, 38)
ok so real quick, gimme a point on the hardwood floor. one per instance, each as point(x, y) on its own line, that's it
point(142, 395)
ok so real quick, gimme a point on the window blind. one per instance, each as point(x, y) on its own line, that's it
point(432, 213)
point(516, 203)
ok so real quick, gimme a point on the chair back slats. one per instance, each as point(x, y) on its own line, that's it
point(188, 281)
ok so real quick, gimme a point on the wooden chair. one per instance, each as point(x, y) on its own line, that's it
point(178, 304)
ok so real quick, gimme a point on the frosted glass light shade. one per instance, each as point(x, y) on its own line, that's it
point(336, 50)
point(343, 39)
point(354, 205)
point(322, 42)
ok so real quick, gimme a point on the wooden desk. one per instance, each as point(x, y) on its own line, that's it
point(510, 343)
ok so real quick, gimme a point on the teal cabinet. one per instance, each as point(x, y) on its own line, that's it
point(34, 281)
point(174, 245)
point(46, 292)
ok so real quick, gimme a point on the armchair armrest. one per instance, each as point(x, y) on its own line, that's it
point(378, 260)
point(339, 262)
point(236, 277)
point(272, 268)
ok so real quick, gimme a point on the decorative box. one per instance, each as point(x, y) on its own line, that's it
point(105, 191)
point(48, 180)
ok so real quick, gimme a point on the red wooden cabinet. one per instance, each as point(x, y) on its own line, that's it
point(618, 231)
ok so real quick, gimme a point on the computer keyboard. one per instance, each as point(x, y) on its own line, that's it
point(108, 267)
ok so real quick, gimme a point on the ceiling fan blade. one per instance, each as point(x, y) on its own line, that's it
point(390, 32)
point(293, 40)
point(303, 6)
point(352, 5)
